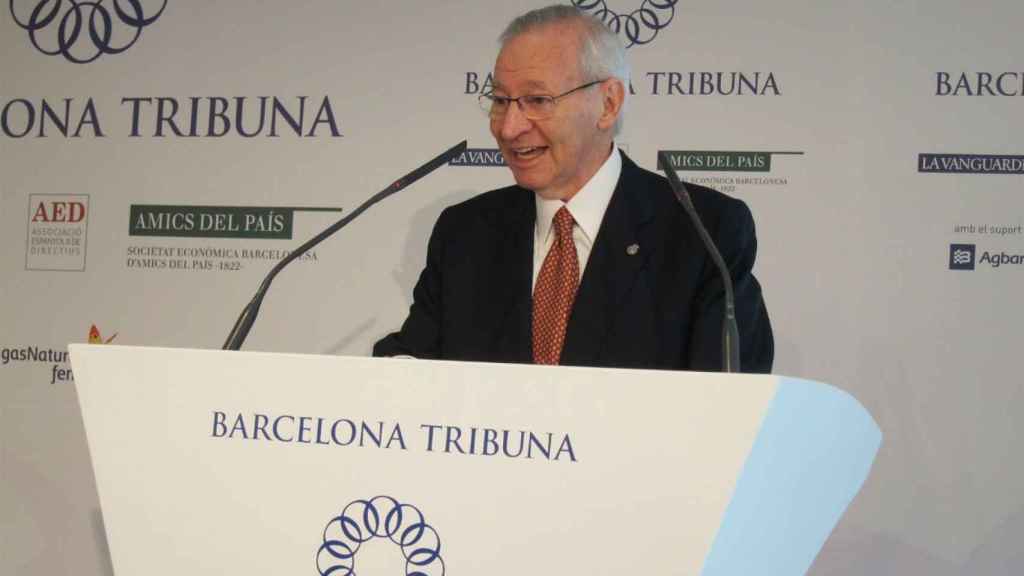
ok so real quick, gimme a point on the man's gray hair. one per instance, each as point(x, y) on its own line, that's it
point(602, 54)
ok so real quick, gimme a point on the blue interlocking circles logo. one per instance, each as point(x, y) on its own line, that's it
point(379, 517)
point(82, 31)
point(640, 26)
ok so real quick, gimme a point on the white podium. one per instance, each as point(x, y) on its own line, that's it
point(211, 462)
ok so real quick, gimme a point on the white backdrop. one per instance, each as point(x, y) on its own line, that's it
point(856, 245)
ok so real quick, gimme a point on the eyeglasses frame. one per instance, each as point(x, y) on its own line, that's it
point(488, 100)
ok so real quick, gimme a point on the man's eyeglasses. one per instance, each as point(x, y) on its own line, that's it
point(533, 106)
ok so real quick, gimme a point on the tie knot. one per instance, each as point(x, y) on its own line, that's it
point(563, 223)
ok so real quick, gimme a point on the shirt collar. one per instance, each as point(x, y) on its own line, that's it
point(588, 205)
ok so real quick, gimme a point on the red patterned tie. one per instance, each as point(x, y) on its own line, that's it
point(555, 291)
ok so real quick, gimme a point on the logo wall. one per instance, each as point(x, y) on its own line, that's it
point(993, 244)
point(225, 224)
point(81, 31)
point(641, 26)
point(999, 84)
point(729, 171)
point(961, 256)
point(56, 358)
point(964, 257)
point(58, 226)
point(489, 157)
point(930, 163)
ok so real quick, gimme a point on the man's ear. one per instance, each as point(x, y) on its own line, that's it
point(613, 94)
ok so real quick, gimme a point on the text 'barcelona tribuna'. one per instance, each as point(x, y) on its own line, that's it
point(171, 117)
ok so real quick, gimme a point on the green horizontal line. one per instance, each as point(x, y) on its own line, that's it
point(310, 209)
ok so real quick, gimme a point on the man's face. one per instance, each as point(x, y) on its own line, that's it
point(555, 156)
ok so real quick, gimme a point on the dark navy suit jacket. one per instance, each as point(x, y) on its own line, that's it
point(656, 307)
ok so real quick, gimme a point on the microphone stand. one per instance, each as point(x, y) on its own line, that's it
point(730, 331)
point(248, 316)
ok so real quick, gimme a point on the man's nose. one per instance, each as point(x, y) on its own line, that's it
point(514, 123)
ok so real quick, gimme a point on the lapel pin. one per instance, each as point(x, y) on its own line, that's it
point(632, 249)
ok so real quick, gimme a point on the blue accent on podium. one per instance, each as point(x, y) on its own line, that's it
point(777, 522)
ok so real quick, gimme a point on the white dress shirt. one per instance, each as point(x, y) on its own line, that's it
point(587, 208)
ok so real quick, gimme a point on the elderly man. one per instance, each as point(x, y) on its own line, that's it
point(589, 259)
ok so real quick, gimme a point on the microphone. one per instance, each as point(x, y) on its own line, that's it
point(730, 332)
point(248, 316)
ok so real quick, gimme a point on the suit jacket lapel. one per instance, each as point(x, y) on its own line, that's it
point(621, 250)
point(514, 272)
